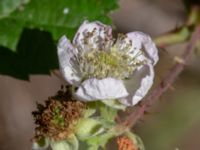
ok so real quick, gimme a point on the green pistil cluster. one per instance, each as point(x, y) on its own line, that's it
point(112, 63)
point(58, 118)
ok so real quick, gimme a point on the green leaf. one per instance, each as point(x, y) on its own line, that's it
point(58, 17)
point(10, 31)
point(71, 143)
point(8, 6)
point(36, 54)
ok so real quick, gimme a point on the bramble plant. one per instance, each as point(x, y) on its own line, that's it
point(103, 74)
point(109, 73)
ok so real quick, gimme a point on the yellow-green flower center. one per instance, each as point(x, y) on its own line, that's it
point(111, 63)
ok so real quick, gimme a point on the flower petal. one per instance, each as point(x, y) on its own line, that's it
point(144, 42)
point(67, 61)
point(94, 35)
point(138, 85)
point(101, 89)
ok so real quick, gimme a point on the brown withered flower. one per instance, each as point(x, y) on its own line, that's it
point(57, 117)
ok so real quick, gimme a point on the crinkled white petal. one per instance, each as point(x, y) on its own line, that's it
point(100, 34)
point(144, 42)
point(142, 79)
point(67, 61)
point(101, 89)
point(138, 85)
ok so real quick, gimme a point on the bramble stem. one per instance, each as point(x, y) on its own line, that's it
point(165, 83)
point(182, 34)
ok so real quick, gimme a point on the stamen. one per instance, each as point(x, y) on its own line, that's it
point(108, 59)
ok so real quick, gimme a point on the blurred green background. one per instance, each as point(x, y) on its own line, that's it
point(29, 30)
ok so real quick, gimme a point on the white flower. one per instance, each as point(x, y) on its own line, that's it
point(103, 68)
